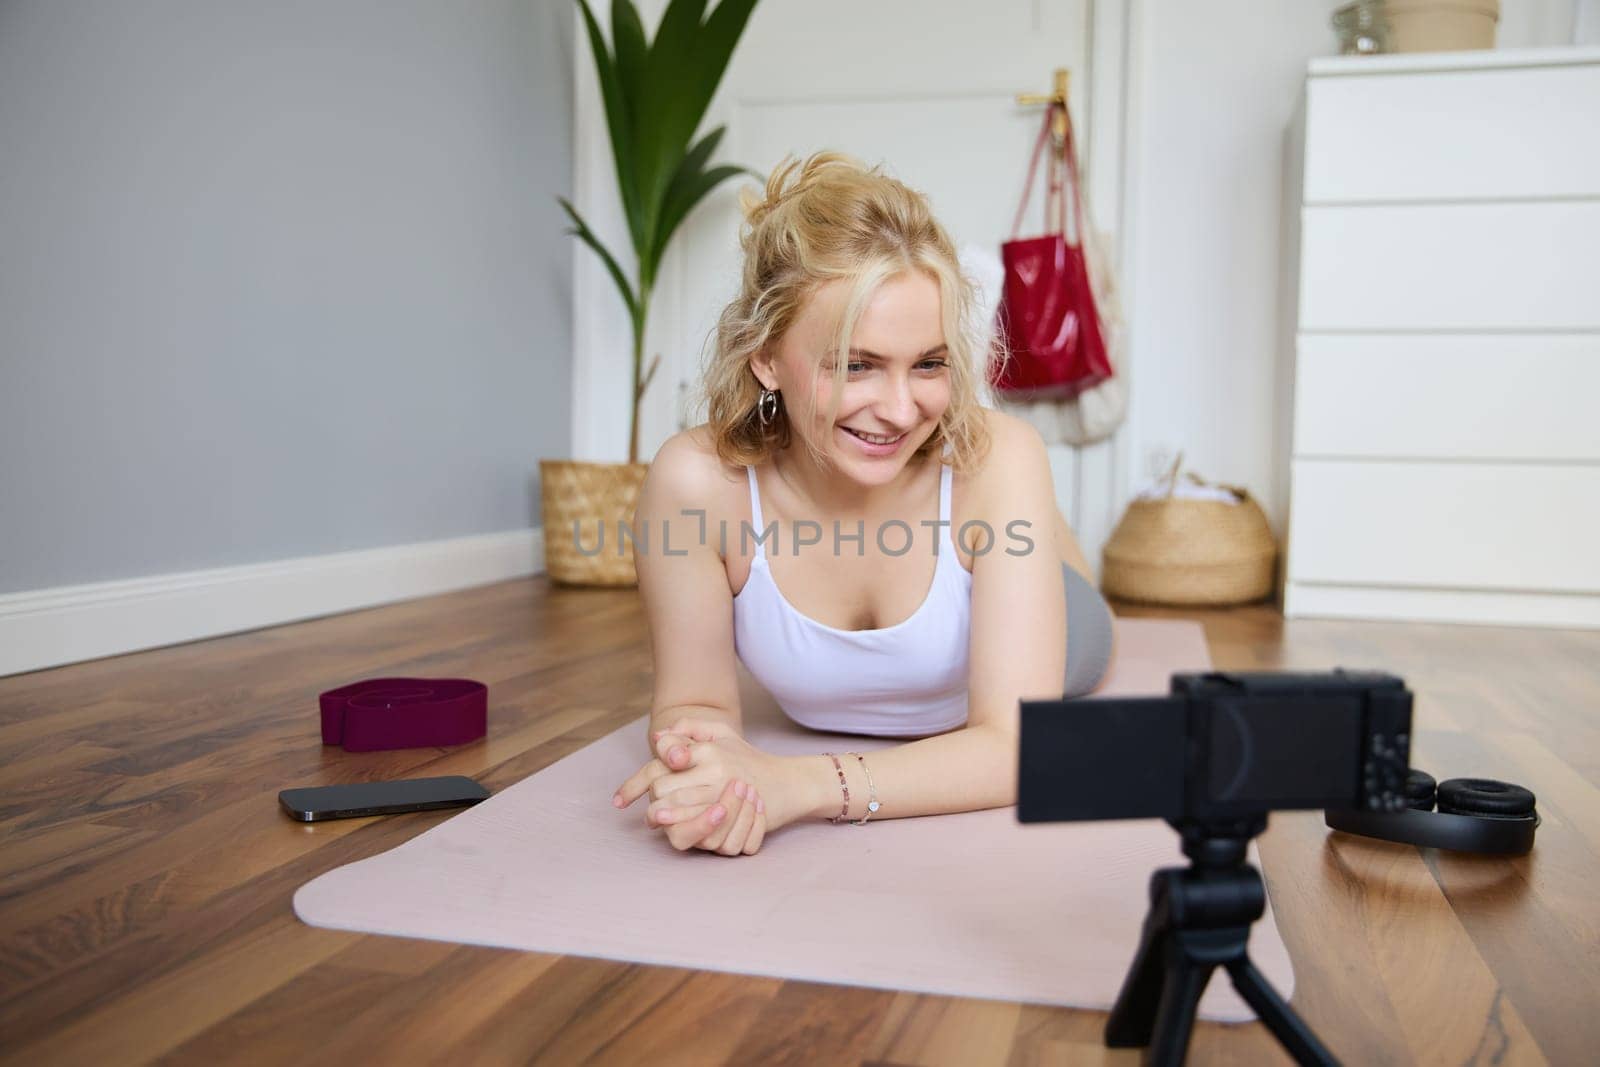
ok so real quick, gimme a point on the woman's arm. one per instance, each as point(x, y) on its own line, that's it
point(964, 770)
point(688, 605)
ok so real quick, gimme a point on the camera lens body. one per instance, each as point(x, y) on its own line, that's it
point(1223, 745)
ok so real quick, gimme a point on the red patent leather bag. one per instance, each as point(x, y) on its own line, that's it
point(1047, 315)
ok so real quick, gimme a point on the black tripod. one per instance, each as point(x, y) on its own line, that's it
point(1199, 919)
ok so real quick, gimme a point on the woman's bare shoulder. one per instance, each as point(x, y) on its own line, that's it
point(688, 472)
point(1014, 446)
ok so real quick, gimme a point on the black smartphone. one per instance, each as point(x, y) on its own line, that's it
point(315, 803)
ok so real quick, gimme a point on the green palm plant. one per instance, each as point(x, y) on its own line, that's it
point(656, 93)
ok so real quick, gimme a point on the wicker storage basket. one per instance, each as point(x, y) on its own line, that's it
point(598, 498)
point(1441, 25)
point(1173, 550)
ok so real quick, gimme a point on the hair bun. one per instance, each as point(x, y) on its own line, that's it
point(793, 178)
point(755, 206)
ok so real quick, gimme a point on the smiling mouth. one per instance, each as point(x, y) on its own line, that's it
point(873, 439)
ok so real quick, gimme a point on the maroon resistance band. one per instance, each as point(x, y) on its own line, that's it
point(384, 713)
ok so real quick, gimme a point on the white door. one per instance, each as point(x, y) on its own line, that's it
point(925, 87)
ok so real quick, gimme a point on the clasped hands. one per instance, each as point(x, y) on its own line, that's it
point(710, 788)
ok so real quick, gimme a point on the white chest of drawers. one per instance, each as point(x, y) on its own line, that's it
point(1444, 451)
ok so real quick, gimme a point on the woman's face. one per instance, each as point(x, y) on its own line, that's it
point(898, 379)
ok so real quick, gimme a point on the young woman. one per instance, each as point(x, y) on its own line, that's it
point(910, 579)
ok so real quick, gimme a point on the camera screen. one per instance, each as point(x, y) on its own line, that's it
point(1272, 753)
point(1101, 759)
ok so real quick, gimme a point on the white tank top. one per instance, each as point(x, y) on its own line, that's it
point(909, 679)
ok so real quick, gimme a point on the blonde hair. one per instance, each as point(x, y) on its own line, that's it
point(822, 219)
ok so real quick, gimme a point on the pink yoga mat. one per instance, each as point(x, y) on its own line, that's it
point(968, 905)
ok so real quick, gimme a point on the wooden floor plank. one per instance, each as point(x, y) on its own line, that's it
point(341, 1012)
point(155, 1015)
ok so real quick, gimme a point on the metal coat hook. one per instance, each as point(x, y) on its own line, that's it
point(1058, 128)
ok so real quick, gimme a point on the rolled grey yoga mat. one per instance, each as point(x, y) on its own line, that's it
point(973, 904)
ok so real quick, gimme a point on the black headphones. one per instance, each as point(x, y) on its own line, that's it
point(1475, 815)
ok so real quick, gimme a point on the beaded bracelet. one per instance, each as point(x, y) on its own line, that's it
point(872, 795)
point(844, 810)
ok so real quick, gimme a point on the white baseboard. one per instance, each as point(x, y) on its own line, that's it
point(50, 627)
point(1489, 607)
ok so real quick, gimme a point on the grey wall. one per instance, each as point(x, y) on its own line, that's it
point(277, 279)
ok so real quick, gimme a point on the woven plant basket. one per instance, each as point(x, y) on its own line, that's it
point(1441, 25)
point(1178, 551)
point(599, 498)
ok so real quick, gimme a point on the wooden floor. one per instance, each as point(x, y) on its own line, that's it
point(146, 872)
